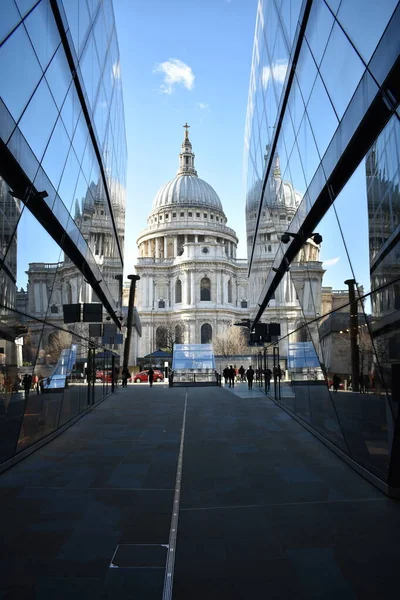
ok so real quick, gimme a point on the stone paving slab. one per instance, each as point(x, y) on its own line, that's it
point(266, 510)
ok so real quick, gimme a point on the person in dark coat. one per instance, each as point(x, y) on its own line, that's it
point(27, 382)
point(241, 373)
point(125, 376)
point(150, 375)
point(225, 373)
point(336, 382)
point(250, 377)
point(232, 375)
point(268, 375)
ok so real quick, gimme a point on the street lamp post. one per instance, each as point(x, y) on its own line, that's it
point(354, 351)
point(133, 279)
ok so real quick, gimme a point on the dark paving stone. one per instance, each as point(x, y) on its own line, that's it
point(140, 556)
point(274, 508)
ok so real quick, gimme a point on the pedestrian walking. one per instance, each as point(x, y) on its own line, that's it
point(150, 375)
point(250, 377)
point(268, 375)
point(27, 382)
point(241, 373)
point(225, 373)
point(232, 374)
point(336, 382)
point(125, 376)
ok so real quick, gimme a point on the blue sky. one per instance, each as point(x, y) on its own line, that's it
point(214, 41)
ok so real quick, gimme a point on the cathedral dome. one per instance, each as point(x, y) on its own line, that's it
point(187, 188)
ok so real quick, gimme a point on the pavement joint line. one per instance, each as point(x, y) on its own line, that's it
point(88, 489)
point(238, 506)
point(169, 570)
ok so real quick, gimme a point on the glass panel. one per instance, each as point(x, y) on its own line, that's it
point(364, 22)
point(81, 136)
point(20, 72)
point(351, 208)
point(90, 69)
point(59, 77)
point(318, 30)
point(56, 153)
point(78, 20)
point(341, 70)
point(289, 12)
point(70, 111)
point(100, 36)
point(322, 116)
point(25, 5)
point(10, 17)
point(43, 32)
point(69, 179)
point(307, 149)
point(306, 72)
point(39, 119)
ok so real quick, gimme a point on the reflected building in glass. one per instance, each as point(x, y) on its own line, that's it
point(323, 113)
point(62, 211)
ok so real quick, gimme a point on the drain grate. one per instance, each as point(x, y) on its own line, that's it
point(139, 556)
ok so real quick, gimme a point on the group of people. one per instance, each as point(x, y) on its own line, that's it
point(231, 374)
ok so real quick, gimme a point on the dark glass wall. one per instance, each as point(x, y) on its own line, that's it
point(323, 144)
point(62, 210)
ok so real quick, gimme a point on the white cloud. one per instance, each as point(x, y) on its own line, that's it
point(201, 105)
point(116, 69)
point(277, 71)
point(330, 262)
point(175, 71)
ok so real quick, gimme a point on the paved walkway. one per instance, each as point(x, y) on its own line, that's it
point(265, 509)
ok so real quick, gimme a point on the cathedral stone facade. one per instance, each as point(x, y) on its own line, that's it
point(192, 283)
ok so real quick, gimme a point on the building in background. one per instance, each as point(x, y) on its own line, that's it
point(62, 208)
point(192, 286)
point(324, 100)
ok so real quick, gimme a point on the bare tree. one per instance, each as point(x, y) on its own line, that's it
point(232, 342)
point(58, 341)
point(168, 334)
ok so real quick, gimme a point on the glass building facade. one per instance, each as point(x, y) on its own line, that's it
point(62, 212)
point(322, 145)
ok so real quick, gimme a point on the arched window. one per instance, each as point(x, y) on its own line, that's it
point(205, 290)
point(178, 291)
point(161, 337)
point(230, 291)
point(243, 304)
point(178, 334)
point(206, 333)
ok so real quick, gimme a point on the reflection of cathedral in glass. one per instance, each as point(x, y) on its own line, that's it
point(303, 283)
point(383, 190)
point(62, 283)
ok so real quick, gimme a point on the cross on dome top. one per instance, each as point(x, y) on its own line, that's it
point(186, 157)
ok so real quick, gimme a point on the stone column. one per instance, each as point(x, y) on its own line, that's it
point(175, 246)
point(186, 289)
point(157, 255)
point(193, 289)
point(165, 246)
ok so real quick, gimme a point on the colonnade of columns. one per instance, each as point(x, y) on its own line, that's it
point(190, 281)
point(166, 246)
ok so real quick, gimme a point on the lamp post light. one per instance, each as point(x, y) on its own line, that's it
point(133, 280)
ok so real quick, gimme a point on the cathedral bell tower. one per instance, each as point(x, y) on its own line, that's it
point(186, 157)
